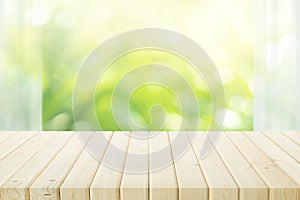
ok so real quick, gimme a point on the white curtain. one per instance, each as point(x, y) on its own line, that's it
point(20, 70)
point(277, 65)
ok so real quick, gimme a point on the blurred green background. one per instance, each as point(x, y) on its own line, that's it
point(67, 32)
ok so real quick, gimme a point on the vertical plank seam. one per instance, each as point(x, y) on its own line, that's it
point(174, 168)
point(255, 170)
point(99, 163)
point(200, 167)
point(226, 167)
point(43, 168)
point(33, 154)
point(122, 173)
point(75, 160)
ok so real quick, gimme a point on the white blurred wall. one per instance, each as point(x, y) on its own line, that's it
point(20, 78)
point(277, 65)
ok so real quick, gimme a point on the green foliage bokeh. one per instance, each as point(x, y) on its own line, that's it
point(72, 31)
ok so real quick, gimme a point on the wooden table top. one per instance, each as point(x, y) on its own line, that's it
point(243, 165)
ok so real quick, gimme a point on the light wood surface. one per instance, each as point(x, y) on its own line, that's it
point(16, 187)
point(17, 158)
point(293, 135)
point(285, 143)
point(187, 166)
point(135, 166)
point(48, 183)
point(6, 134)
point(219, 180)
point(107, 180)
point(8, 145)
point(78, 181)
point(280, 185)
point(162, 177)
point(278, 156)
point(250, 184)
point(135, 185)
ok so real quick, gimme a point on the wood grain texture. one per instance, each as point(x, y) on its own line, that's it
point(293, 135)
point(17, 186)
point(250, 184)
point(49, 181)
point(219, 180)
point(187, 166)
point(12, 143)
point(17, 158)
point(107, 181)
point(280, 185)
point(6, 134)
point(135, 185)
point(78, 181)
point(278, 156)
point(59, 165)
point(162, 176)
point(285, 143)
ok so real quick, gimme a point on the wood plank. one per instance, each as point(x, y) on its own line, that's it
point(11, 163)
point(17, 186)
point(78, 181)
point(245, 166)
point(7, 146)
point(190, 178)
point(106, 183)
point(251, 185)
point(281, 186)
point(163, 183)
point(6, 134)
point(220, 182)
point(283, 160)
point(285, 143)
point(135, 185)
point(48, 183)
point(293, 135)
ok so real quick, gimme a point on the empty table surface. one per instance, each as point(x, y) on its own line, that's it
point(237, 166)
